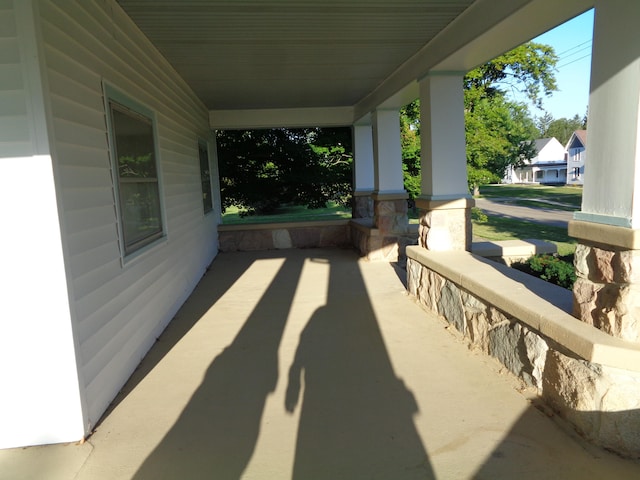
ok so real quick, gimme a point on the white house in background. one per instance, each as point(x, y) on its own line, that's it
point(576, 156)
point(549, 166)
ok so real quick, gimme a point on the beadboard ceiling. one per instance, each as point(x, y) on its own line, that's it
point(278, 54)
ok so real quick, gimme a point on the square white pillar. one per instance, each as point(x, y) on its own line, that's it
point(612, 176)
point(443, 154)
point(387, 152)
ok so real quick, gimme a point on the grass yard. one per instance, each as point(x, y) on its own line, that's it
point(291, 213)
point(535, 195)
point(500, 228)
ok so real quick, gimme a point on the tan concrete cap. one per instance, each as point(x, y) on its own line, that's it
point(513, 248)
point(534, 302)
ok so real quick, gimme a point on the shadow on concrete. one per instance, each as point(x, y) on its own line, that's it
point(529, 451)
point(356, 418)
point(216, 433)
point(189, 314)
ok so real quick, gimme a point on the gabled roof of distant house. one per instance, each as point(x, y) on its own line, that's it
point(578, 135)
point(540, 143)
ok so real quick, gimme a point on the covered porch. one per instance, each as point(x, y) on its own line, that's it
point(316, 364)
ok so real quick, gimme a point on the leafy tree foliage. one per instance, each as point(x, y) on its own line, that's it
point(562, 128)
point(410, 142)
point(263, 169)
point(498, 132)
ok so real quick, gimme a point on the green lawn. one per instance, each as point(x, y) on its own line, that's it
point(295, 213)
point(571, 196)
point(500, 228)
point(540, 196)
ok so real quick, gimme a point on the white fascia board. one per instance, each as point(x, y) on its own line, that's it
point(281, 117)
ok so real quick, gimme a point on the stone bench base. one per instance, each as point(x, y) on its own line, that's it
point(375, 245)
point(590, 378)
point(512, 251)
point(275, 236)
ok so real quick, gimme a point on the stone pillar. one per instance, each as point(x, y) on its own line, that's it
point(390, 197)
point(607, 291)
point(363, 170)
point(445, 203)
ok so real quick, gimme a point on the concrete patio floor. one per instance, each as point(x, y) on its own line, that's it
point(313, 364)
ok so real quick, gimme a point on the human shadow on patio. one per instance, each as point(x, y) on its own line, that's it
point(216, 433)
point(357, 415)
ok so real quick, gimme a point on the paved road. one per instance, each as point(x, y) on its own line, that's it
point(547, 216)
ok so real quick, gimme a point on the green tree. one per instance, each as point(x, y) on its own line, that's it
point(410, 142)
point(261, 170)
point(499, 132)
point(562, 128)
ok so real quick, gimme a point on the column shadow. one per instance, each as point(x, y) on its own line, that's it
point(356, 418)
point(536, 448)
point(216, 433)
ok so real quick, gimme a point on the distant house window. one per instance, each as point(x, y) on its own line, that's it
point(576, 155)
point(539, 174)
point(205, 177)
point(576, 173)
point(131, 131)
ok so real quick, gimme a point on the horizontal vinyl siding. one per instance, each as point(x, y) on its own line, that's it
point(119, 310)
point(15, 140)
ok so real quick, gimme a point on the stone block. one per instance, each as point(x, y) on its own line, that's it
point(585, 293)
point(450, 306)
point(537, 349)
point(581, 260)
point(627, 266)
point(477, 322)
point(570, 386)
point(602, 265)
point(281, 238)
point(506, 343)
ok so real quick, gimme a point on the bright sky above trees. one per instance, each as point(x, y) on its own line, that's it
point(572, 43)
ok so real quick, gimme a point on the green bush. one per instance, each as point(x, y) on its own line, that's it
point(552, 268)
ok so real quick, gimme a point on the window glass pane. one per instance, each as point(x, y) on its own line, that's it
point(140, 207)
point(205, 176)
point(138, 189)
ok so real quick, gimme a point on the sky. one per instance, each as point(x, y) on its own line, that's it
point(572, 43)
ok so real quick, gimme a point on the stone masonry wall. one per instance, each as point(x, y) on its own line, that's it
point(602, 402)
point(607, 290)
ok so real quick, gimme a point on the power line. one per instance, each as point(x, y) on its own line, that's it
point(577, 52)
point(574, 61)
point(579, 45)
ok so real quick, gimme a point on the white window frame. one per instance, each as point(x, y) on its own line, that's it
point(127, 105)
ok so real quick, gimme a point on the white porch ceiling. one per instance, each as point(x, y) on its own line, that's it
point(349, 55)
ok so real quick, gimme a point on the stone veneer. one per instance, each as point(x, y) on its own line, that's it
point(275, 236)
point(607, 290)
point(445, 224)
point(591, 379)
point(362, 205)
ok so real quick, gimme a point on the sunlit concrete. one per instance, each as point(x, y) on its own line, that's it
point(313, 364)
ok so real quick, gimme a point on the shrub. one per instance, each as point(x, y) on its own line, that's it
point(552, 268)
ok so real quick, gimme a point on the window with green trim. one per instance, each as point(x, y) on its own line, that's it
point(136, 175)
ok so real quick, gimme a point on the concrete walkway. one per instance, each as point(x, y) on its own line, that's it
point(312, 364)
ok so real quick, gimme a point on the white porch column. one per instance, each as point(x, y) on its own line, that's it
point(445, 203)
point(607, 292)
point(390, 197)
point(363, 171)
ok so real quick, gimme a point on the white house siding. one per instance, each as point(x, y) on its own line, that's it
point(40, 400)
point(120, 309)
